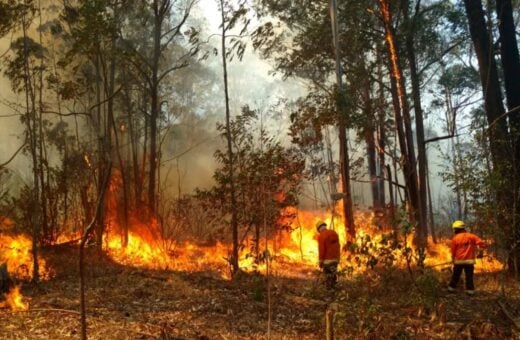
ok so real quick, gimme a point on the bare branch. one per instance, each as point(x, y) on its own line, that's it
point(431, 140)
point(12, 157)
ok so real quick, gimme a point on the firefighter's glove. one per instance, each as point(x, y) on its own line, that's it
point(480, 254)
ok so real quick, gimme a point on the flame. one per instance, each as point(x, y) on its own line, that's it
point(16, 251)
point(13, 300)
point(292, 254)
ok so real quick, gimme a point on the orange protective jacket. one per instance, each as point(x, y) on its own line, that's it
point(463, 247)
point(328, 244)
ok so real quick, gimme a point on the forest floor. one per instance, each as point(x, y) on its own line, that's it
point(132, 303)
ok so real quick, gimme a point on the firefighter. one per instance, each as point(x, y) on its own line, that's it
point(463, 254)
point(329, 250)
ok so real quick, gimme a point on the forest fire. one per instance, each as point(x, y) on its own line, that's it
point(293, 254)
point(16, 253)
point(14, 300)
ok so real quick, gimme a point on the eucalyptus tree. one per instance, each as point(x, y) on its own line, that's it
point(168, 31)
point(267, 179)
point(300, 45)
point(23, 69)
point(510, 61)
point(503, 127)
point(91, 30)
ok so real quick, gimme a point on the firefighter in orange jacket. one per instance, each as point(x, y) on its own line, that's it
point(463, 247)
point(329, 250)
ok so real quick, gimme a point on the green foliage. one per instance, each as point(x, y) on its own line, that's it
point(27, 54)
point(11, 11)
point(267, 177)
point(469, 170)
point(429, 289)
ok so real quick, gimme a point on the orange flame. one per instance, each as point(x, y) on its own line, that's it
point(293, 254)
point(13, 300)
point(16, 251)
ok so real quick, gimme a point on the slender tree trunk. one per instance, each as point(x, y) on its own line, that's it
point(381, 136)
point(391, 194)
point(102, 145)
point(419, 126)
point(31, 127)
point(498, 135)
point(44, 189)
point(369, 134)
point(155, 107)
point(343, 142)
point(511, 66)
point(510, 58)
point(234, 222)
point(403, 123)
point(431, 220)
point(88, 231)
point(372, 170)
point(144, 157)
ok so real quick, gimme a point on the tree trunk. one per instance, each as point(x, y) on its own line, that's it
point(431, 220)
point(234, 222)
point(511, 65)
point(154, 109)
point(90, 228)
point(510, 57)
point(419, 126)
point(403, 122)
point(344, 160)
point(391, 194)
point(381, 137)
point(372, 170)
point(371, 146)
point(499, 140)
point(31, 128)
point(498, 135)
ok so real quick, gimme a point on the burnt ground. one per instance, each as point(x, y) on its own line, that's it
point(132, 303)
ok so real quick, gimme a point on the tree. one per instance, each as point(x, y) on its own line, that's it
point(267, 178)
point(231, 163)
point(343, 146)
point(23, 71)
point(502, 134)
point(402, 120)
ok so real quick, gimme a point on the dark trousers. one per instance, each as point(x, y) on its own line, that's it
point(468, 272)
point(331, 277)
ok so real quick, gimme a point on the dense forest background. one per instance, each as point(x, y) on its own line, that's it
point(217, 121)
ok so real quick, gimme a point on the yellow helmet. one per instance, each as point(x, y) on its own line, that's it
point(458, 224)
point(319, 224)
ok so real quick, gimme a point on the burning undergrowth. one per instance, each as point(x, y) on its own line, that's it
point(17, 260)
point(291, 252)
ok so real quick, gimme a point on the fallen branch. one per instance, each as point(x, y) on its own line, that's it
point(515, 321)
point(51, 310)
point(439, 264)
point(64, 244)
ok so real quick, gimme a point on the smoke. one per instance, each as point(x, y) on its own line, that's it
point(11, 128)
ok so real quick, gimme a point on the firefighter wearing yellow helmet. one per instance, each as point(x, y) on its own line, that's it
point(329, 253)
point(463, 247)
